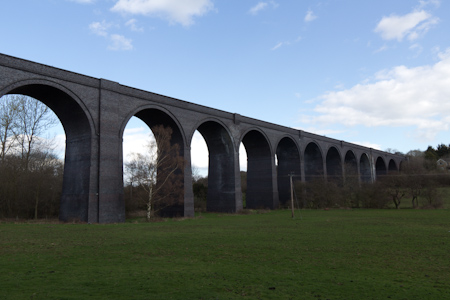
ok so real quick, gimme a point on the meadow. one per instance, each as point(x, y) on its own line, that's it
point(320, 254)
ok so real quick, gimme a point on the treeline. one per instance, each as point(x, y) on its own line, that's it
point(419, 183)
point(441, 151)
point(30, 173)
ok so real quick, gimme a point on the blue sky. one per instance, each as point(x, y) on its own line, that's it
point(375, 73)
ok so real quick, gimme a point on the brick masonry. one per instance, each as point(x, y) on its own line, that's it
point(94, 113)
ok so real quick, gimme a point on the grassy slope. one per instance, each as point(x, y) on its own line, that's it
point(336, 254)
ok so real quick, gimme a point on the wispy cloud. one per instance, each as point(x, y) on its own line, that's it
point(261, 6)
point(118, 42)
point(277, 46)
point(175, 11)
point(310, 16)
point(424, 3)
point(411, 26)
point(381, 49)
point(281, 44)
point(132, 24)
point(396, 97)
point(135, 140)
point(257, 8)
point(368, 145)
point(83, 1)
point(100, 28)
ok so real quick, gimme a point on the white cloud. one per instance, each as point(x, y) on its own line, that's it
point(381, 49)
point(119, 42)
point(310, 16)
point(416, 48)
point(257, 8)
point(412, 25)
point(261, 6)
point(319, 131)
point(100, 28)
point(83, 1)
point(60, 145)
point(175, 11)
point(368, 145)
point(423, 3)
point(132, 25)
point(200, 154)
point(401, 96)
point(280, 44)
point(277, 46)
point(135, 140)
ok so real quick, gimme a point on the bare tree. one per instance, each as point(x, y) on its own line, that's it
point(31, 174)
point(394, 186)
point(34, 119)
point(24, 121)
point(157, 171)
point(9, 110)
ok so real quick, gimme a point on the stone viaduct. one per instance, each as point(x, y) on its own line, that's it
point(94, 113)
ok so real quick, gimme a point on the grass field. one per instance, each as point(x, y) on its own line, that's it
point(335, 254)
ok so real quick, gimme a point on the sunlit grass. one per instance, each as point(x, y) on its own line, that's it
point(335, 254)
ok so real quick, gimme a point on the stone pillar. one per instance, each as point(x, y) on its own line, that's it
point(188, 192)
point(237, 181)
point(111, 202)
point(75, 198)
point(261, 183)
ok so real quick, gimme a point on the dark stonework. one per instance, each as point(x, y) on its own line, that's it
point(94, 113)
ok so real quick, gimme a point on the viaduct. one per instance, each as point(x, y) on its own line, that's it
point(94, 113)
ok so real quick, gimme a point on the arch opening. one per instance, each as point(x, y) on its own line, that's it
point(259, 171)
point(351, 167)
point(334, 166)
point(199, 170)
point(392, 166)
point(364, 169)
point(163, 154)
point(313, 162)
point(221, 194)
point(288, 163)
point(77, 189)
point(380, 167)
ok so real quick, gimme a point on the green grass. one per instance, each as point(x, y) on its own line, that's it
point(335, 254)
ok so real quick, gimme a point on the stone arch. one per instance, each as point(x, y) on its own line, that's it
point(260, 161)
point(350, 166)
point(334, 165)
point(288, 156)
point(313, 161)
point(392, 167)
point(380, 167)
point(79, 129)
point(221, 196)
point(364, 168)
point(155, 116)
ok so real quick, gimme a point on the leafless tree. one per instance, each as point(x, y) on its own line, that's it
point(9, 110)
point(34, 119)
point(31, 175)
point(157, 171)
